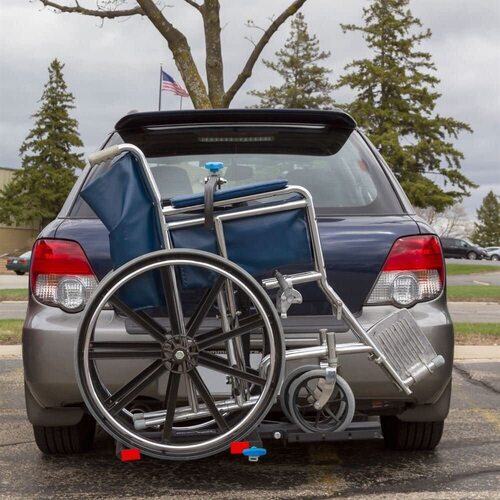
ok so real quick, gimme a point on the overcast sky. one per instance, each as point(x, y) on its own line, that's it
point(115, 68)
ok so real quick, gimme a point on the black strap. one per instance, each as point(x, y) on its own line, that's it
point(210, 187)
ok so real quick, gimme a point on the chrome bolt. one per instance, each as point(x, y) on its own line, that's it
point(277, 435)
point(179, 355)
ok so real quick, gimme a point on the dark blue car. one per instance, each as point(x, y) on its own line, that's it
point(379, 257)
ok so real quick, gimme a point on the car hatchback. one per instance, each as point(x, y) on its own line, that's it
point(375, 249)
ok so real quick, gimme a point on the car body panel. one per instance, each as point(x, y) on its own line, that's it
point(54, 384)
point(351, 273)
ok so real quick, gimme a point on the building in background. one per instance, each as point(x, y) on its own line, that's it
point(14, 238)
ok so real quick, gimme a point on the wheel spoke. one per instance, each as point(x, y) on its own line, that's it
point(217, 359)
point(126, 350)
point(209, 339)
point(170, 404)
point(331, 414)
point(203, 308)
point(172, 300)
point(220, 365)
point(141, 318)
point(129, 391)
point(209, 401)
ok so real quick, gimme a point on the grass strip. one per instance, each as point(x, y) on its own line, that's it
point(13, 294)
point(10, 331)
point(474, 293)
point(477, 333)
point(457, 269)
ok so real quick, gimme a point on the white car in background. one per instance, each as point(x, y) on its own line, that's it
point(493, 253)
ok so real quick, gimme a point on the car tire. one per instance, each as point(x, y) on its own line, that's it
point(495, 257)
point(410, 436)
point(19, 273)
point(66, 440)
point(472, 256)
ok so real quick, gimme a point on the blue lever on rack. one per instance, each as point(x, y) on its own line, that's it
point(254, 452)
point(214, 166)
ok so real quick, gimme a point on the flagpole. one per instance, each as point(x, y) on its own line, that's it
point(159, 90)
point(180, 107)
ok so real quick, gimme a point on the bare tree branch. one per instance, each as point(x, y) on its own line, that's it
point(246, 72)
point(213, 60)
point(101, 13)
point(193, 4)
point(179, 46)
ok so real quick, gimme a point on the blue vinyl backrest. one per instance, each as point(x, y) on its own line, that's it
point(122, 200)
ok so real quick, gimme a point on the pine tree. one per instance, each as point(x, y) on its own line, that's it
point(487, 228)
point(395, 105)
point(306, 84)
point(49, 164)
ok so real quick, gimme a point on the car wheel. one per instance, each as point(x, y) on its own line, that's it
point(495, 257)
point(399, 435)
point(472, 256)
point(65, 440)
point(19, 273)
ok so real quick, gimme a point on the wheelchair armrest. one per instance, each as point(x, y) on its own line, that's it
point(189, 200)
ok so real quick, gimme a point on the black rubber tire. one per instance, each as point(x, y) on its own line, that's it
point(495, 257)
point(283, 397)
point(66, 440)
point(19, 273)
point(410, 436)
point(472, 256)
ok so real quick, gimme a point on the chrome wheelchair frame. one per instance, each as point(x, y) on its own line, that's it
point(396, 344)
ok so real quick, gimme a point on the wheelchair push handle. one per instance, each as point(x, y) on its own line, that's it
point(103, 155)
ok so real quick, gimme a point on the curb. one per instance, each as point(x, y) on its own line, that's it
point(477, 352)
point(11, 351)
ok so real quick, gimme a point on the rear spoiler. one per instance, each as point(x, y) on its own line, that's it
point(305, 117)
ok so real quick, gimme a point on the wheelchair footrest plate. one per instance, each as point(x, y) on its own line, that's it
point(405, 346)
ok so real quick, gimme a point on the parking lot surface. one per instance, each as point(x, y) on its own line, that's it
point(466, 464)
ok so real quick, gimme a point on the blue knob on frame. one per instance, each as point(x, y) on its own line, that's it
point(214, 166)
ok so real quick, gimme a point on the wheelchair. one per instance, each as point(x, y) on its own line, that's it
point(200, 284)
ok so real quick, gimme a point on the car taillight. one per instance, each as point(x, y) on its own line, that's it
point(61, 275)
point(413, 272)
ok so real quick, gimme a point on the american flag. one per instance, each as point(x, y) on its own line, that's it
point(170, 85)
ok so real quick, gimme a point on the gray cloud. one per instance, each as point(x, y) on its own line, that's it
point(114, 69)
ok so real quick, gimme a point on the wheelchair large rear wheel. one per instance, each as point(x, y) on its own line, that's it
point(179, 380)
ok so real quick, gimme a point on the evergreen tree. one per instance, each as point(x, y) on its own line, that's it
point(38, 190)
point(306, 84)
point(395, 104)
point(487, 228)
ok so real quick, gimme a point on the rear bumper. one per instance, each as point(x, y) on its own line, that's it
point(49, 339)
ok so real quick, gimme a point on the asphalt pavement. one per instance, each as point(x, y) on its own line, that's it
point(13, 310)
point(480, 279)
point(13, 281)
point(466, 465)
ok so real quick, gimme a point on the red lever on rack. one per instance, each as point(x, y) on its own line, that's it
point(237, 447)
point(130, 454)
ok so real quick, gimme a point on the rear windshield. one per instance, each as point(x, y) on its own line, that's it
point(336, 166)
